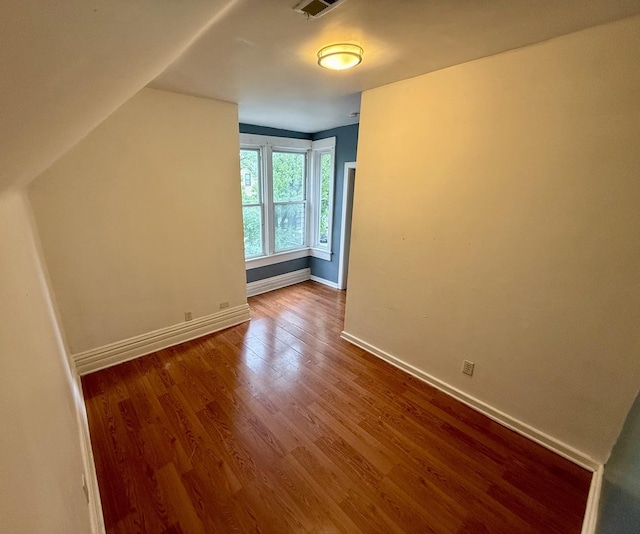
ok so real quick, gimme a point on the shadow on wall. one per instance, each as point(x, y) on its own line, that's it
point(620, 502)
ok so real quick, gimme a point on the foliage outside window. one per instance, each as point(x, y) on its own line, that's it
point(252, 206)
point(289, 199)
point(326, 181)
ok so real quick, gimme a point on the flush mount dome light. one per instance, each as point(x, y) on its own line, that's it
point(340, 56)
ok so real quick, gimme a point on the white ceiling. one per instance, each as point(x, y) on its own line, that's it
point(264, 54)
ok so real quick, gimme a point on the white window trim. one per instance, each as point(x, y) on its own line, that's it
point(263, 261)
point(318, 148)
point(271, 204)
point(275, 142)
point(267, 145)
point(261, 204)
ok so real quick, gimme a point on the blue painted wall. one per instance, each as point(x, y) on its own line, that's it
point(620, 499)
point(346, 150)
point(260, 273)
point(346, 147)
point(276, 132)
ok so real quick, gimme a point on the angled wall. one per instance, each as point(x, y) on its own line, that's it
point(40, 456)
point(67, 65)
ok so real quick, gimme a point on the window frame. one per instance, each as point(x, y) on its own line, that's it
point(305, 198)
point(266, 145)
point(318, 149)
point(261, 202)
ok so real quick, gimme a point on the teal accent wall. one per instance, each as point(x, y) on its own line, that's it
point(276, 132)
point(284, 267)
point(620, 498)
point(346, 150)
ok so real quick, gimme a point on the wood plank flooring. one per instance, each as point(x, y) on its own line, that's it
point(279, 426)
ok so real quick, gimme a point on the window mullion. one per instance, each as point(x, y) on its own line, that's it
point(317, 211)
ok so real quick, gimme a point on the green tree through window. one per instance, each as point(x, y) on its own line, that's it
point(326, 163)
point(289, 179)
point(252, 207)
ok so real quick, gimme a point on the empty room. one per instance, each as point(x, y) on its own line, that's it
point(327, 266)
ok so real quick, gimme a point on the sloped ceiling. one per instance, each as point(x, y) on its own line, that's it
point(66, 65)
point(264, 55)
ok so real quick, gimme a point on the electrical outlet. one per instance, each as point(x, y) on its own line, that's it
point(467, 367)
point(224, 305)
point(188, 316)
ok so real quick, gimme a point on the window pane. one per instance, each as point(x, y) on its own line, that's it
point(288, 176)
point(289, 225)
point(252, 220)
point(250, 176)
point(325, 190)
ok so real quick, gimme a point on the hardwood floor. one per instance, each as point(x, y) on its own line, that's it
point(278, 425)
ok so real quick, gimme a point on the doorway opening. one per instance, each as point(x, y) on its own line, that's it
point(345, 227)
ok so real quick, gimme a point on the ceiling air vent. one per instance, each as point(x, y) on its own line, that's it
point(316, 8)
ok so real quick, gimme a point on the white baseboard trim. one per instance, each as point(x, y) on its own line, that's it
point(91, 478)
point(277, 282)
point(134, 347)
point(590, 522)
point(504, 419)
point(329, 283)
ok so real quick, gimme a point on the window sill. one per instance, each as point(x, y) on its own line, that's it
point(319, 253)
point(263, 261)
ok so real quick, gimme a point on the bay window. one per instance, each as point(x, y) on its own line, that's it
point(287, 197)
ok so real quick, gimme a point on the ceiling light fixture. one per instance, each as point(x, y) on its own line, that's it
point(340, 56)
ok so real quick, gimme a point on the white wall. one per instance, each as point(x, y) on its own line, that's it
point(497, 219)
point(141, 220)
point(40, 456)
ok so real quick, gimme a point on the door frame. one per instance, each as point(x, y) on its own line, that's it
point(347, 212)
